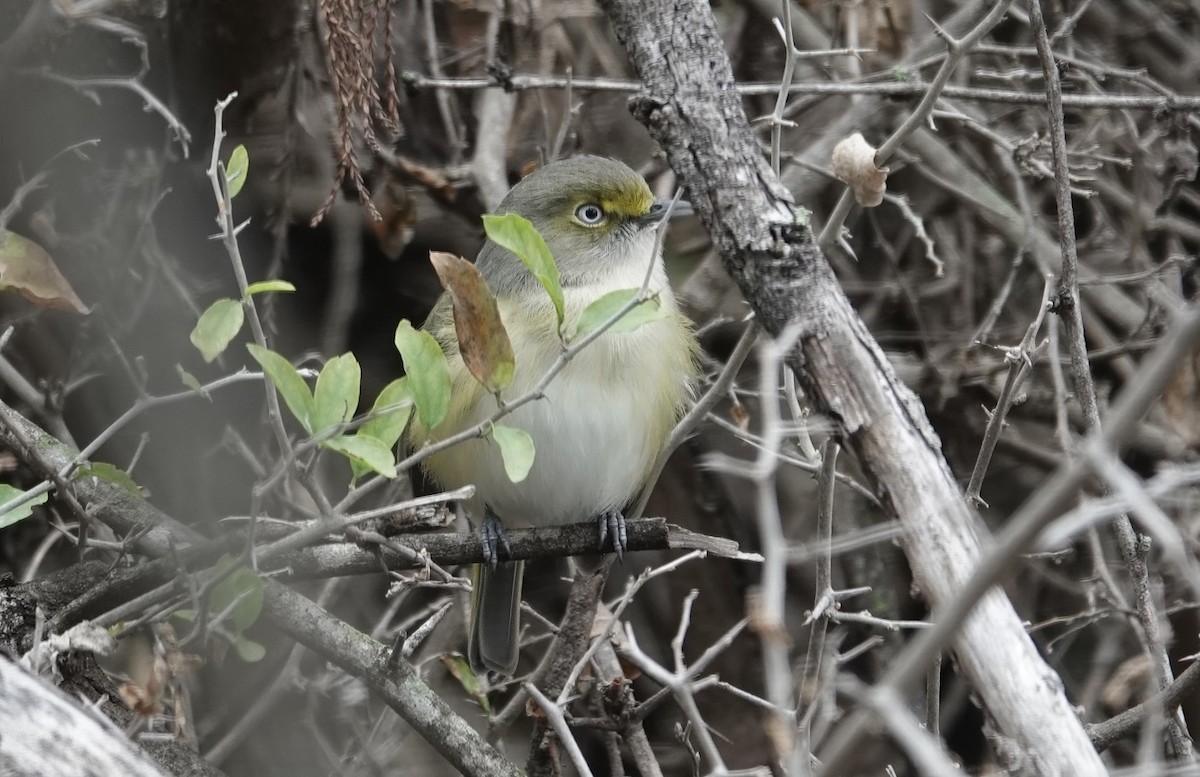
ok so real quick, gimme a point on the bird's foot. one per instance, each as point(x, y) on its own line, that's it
point(493, 536)
point(613, 522)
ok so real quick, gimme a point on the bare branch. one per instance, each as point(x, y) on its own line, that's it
point(691, 107)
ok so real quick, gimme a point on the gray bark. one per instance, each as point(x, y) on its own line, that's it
point(44, 733)
point(692, 109)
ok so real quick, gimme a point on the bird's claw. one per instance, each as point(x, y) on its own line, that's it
point(613, 522)
point(493, 537)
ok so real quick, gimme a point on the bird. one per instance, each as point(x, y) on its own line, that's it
point(602, 421)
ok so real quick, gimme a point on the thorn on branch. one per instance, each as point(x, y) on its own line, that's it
point(502, 73)
point(1060, 302)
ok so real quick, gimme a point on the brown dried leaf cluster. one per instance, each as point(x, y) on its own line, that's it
point(353, 31)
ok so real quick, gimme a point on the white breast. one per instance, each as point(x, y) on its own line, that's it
point(601, 423)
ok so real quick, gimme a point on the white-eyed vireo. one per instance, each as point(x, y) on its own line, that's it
point(605, 417)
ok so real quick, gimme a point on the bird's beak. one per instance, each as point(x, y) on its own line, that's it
point(664, 206)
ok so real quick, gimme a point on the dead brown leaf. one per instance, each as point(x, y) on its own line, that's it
point(147, 699)
point(26, 267)
point(482, 339)
point(1181, 400)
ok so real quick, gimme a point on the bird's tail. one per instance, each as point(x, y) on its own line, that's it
point(495, 616)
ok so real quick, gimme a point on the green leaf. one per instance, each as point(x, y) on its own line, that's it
point(291, 386)
point(387, 419)
point(265, 286)
point(518, 235)
point(217, 327)
point(460, 669)
point(390, 413)
point(482, 339)
point(190, 381)
point(427, 372)
point(336, 396)
point(248, 650)
point(367, 452)
point(606, 306)
point(516, 448)
point(20, 513)
point(243, 586)
point(109, 473)
point(236, 170)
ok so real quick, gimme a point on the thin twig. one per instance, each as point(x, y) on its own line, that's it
point(559, 724)
point(1103, 735)
point(824, 585)
point(776, 119)
point(768, 616)
point(719, 388)
point(1020, 363)
point(1085, 390)
point(957, 49)
point(933, 699)
point(680, 684)
point(141, 405)
point(1023, 528)
point(132, 84)
point(1151, 102)
point(229, 232)
point(891, 710)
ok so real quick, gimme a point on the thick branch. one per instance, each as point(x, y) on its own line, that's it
point(45, 732)
point(691, 106)
point(402, 552)
point(399, 685)
point(395, 680)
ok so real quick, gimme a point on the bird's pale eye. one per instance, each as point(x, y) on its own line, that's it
point(589, 214)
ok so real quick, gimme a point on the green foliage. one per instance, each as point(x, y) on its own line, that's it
point(240, 592)
point(190, 381)
point(333, 405)
point(516, 448)
point(264, 286)
point(217, 327)
point(607, 306)
point(248, 650)
point(390, 414)
point(242, 586)
point(460, 669)
point(21, 512)
point(388, 418)
point(287, 380)
point(483, 344)
point(110, 473)
point(427, 371)
point(518, 235)
point(336, 396)
point(236, 170)
point(364, 453)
